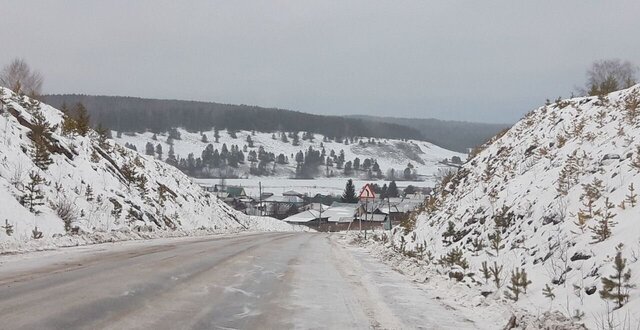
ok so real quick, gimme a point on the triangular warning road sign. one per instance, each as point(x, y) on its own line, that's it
point(367, 192)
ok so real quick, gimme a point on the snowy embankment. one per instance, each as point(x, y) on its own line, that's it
point(61, 187)
point(537, 218)
point(457, 297)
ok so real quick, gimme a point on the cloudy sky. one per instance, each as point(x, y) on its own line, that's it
point(488, 61)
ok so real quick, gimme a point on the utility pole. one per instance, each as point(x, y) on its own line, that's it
point(320, 219)
point(260, 198)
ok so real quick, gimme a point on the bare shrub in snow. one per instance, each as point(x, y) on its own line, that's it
point(67, 211)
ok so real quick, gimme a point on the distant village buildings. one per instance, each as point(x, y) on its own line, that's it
point(321, 212)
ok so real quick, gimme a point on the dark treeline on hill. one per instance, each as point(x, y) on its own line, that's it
point(131, 114)
point(452, 135)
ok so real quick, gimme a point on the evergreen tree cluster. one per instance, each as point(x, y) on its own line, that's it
point(211, 158)
point(76, 119)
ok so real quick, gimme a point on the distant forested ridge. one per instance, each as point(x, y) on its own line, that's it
point(449, 134)
point(132, 114)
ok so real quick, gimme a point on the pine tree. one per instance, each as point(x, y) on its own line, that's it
point(89, 193)
point(486, 274)
point(216, 134)
point(204, 138)
point(592, 192)
point(129, 172)
point(103, 134)
point(632, 197)
point(616, 286)
point(569, 173)
point(69, 124)
point(602, 230)
point(40, 154)
point(8, 228)
point(36, 234)
point(496, 242)
point(632, 107)
point(141, 181)
point(519, 283)
point(40, 135)
point(81, 119)
point(636, 161)
point(232, 133)
point(159, 150)
point(349, 194)
point(392, 190)
point(581, 222)
point(495, 271)
point(149, 149)
point(33, 196)
point(547, 291)
point(450, 232)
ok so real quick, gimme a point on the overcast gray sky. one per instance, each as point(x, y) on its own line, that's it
point(488, 61)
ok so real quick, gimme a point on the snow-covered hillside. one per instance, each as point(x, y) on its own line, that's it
point(93, 186)
point(554, 197)
point(425, 157)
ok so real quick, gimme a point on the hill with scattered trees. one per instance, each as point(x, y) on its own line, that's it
point(63, 183)
point(544, 216)
point(244, 154)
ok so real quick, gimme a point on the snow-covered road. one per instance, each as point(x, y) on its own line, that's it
point(248, 281)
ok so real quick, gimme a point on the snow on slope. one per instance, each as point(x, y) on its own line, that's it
point(89, 178)
point(529, 186)
point(396, 154)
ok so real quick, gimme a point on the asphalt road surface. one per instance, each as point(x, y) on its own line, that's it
point(248, 281)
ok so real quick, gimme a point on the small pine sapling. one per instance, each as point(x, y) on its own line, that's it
point(581, 222)
point(486, 273)
point(495, 271)
point(616, 287)
point(33, 196)
point(36, 234)
point(602, 230)
point(8, 228)
point(478, 245)
point(449, 233)
point(547, 291)
point(519, 283)
point(496, 242)
point(89, 193)
point(635, 163)
point(632, 197)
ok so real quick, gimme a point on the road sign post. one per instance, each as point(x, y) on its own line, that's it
point(366, 194)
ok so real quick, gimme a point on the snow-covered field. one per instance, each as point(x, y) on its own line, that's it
point(390, 154)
